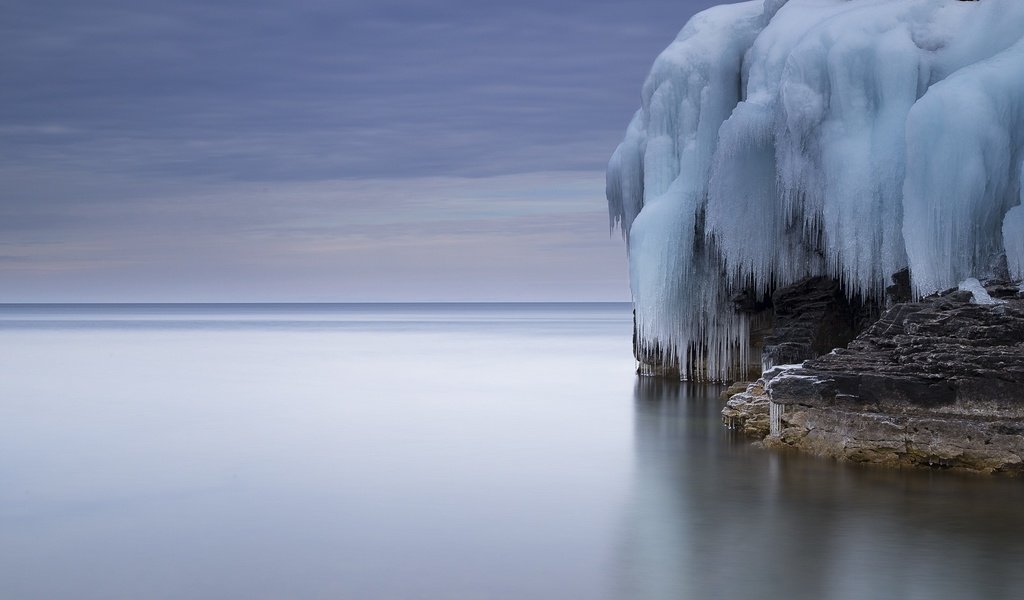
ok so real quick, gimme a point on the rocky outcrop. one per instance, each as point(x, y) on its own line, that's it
point(938, 383)
point(794, 323)
point(811, 317)
point(747, 411)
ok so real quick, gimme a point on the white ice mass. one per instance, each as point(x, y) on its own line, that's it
point(979, 295)
point(849, 138)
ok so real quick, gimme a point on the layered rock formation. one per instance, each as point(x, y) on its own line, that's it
point(811, 317)
point(747, 409)
point(937, 383)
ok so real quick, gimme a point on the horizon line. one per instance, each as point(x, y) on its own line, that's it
point(193, 303)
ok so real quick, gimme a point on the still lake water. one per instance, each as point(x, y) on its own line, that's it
point(434, 451)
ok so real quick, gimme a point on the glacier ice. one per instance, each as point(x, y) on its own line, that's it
point(850, 138)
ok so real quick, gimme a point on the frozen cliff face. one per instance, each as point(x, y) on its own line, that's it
point(846, 138)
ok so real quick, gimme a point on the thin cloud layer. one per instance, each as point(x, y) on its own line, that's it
point(514, 237)
point(116, 115)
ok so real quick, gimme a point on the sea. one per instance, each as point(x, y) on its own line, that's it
point(435, 451)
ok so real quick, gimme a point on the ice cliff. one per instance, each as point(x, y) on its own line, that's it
point(846, 138)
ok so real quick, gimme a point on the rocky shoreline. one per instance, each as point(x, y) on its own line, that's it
point(937, 383)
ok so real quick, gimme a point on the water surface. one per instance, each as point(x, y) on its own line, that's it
point(433, 451)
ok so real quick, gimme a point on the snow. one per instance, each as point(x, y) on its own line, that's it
point(849, 138)
point(777, 370)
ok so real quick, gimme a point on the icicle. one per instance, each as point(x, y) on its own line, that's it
point(846, 138)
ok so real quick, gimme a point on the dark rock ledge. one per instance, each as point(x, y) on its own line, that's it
point(936, 383)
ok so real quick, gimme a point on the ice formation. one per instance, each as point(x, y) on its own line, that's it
point(979, 295)
point(849, 138)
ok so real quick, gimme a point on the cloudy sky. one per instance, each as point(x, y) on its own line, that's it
point(341, 150)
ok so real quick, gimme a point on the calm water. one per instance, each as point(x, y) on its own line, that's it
point(434, 451)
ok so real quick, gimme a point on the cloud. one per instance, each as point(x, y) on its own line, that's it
point(197, 139)
point(271, 90)
point(534, 236)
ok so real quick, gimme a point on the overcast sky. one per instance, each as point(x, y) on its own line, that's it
point(186, 150)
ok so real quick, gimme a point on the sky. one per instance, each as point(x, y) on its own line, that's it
point(352, 150)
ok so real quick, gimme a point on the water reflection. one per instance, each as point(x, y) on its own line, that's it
point(181, 453)
point(713, 517)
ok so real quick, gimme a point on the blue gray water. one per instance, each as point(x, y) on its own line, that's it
point(434, 451)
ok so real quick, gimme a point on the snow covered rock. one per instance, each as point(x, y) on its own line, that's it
point(848, 139)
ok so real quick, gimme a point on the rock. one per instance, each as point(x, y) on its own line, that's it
point(747, 411)
point(936, 383)
point(795, 323)
point(900, 290)
point(811, 317)
point(733, 389)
